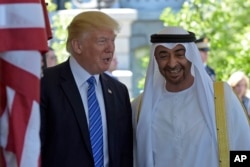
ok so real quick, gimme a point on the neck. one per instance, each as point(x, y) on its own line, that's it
point(181, 86)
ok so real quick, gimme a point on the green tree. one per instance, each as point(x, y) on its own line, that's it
point(225, 23)
point(50, 5)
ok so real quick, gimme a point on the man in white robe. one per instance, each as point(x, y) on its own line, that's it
point(174, 119)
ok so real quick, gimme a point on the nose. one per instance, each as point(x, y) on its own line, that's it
point(172, 61)
point(110, 46)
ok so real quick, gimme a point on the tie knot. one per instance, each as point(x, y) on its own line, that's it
point(91, 80)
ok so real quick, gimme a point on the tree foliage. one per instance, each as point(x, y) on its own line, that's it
point(59, 28)
point(225, 23)
point(50, 5)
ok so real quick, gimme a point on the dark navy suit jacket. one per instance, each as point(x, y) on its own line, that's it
point(64, 130)
point(210, 72)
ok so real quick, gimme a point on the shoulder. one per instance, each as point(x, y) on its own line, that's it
point(210, 68)
point(246, 102)
point(238, 125)
point(232, 102)
point(137, 99)
point(107, 79)
point(57, 69)
point(246, 99)
point(136, 103)
point(108, 82)
point(56, 74)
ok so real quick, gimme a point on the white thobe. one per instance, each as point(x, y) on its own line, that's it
point(161, 139)
point(180, 135)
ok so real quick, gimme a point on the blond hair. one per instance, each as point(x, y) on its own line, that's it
point(236, 77)
point(87, 22)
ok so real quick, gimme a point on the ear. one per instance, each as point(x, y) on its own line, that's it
point(76, 45)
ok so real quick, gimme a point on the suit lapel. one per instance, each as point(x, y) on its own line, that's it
point(70, 88)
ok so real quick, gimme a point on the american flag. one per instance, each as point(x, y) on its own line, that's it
point(24, 31)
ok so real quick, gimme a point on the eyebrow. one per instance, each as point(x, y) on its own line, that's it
point(180, 49)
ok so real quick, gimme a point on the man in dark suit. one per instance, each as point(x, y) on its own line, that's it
point(65, 133)
point(203, 47)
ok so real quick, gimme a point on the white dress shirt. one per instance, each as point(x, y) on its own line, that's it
point(81, 76)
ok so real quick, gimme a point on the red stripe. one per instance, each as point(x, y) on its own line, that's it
point(46, 18)
point(23, 39)
point(2, 160)
point(21, 81)
point(3, 96)
point(25, 84)
point(18, 122)
point(3, 99)
point(39, 161)
point(26, 87)
point(18, 1)
point(26, 38)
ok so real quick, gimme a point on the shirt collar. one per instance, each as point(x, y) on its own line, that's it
point(80, 74)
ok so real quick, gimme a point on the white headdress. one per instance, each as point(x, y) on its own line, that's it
point(155, 81)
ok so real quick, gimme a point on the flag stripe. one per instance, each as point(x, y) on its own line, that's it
point(24, 31)
point(3, 100)
point(47, 23)
point(12, 15)
point(31, 148)
point(18, 39)
point(19, 117)
point(2, 160)
point(24, 21)
point(30, 89)
point(31, 66)
point(19, 1)
point(21, 136)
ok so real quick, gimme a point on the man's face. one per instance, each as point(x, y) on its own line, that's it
point(174, 66)
point(96, 50)
point(204, 55)
point(240, 88)
point(51, 58)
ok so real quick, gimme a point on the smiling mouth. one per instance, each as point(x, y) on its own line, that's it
point(175, 70)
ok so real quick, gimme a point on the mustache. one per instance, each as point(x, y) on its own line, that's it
point(175, 68)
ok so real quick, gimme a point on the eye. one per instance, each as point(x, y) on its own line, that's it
point(113, 39)
point(162, 55)
point(101, 41)
point(180, 53)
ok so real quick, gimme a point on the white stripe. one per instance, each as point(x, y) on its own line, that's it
point(29, 61)
point(9, 157)
point(21, 15)
point(4, 119)
point(31, 149)
point(4, 128)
